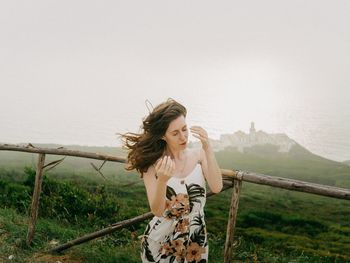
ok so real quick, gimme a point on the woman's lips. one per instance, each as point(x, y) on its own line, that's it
point(183, 143)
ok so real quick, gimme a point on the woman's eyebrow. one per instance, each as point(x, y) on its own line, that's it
point(177, 130)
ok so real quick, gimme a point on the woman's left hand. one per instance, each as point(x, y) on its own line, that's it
point(202, 135)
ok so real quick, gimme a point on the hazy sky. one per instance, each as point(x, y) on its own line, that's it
point(79, 71)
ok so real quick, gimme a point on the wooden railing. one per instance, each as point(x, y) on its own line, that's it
point(231, 178)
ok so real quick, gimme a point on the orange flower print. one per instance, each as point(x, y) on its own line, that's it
point(187, 208)
point(168, 204)
point(166, 249)
point(182, 198)
point(180, 255)
point(178, 244)
point(194, 252)
point(179, 200)
point(177, 206)
point(175, 212)
point(180, 249)
point(182, 225)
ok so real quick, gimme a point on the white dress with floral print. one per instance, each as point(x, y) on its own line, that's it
point(180, 235)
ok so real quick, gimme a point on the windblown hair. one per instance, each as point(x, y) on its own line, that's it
point(147, 147)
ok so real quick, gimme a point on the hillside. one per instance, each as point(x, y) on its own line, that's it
point(273, 225)
point(347, 162)
point(298, 163)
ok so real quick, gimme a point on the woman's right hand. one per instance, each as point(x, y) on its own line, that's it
point(165, 168)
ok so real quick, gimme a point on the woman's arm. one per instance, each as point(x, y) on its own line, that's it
point(156, 191)
point(211, 169)
point(156, 187)
point(210, 166)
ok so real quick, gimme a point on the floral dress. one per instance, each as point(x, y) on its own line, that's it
point(180, 235)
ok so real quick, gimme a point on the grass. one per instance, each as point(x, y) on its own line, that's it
point(273, 225)
point(284, 234)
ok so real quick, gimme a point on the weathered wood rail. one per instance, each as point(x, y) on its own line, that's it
point(231, 178)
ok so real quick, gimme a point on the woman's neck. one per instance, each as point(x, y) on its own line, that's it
point(177, 155)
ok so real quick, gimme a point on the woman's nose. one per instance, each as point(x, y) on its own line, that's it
point(182, 135)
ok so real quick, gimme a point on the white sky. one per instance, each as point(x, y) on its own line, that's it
point(72, 70)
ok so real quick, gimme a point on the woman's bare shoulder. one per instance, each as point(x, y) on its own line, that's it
point(150, 171)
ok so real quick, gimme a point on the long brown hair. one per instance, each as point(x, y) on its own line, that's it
point(147, 147)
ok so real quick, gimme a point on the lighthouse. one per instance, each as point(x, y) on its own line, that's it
point(252, 128)
point(252, 134)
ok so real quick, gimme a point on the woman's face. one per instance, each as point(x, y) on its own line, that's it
point(176, 136)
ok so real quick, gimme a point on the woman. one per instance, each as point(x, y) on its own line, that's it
point(175, 179)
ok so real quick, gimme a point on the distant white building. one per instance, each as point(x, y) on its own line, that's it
point(240, 140)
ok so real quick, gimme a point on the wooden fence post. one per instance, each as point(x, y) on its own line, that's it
point(237, 183)
point(35, 199)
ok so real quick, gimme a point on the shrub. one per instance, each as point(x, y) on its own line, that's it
point(61, 200)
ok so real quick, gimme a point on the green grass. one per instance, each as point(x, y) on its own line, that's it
point(273, 225)
point(266, 231)
point(276, 225)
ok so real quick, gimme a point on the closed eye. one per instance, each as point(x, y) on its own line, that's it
point(182, 130)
